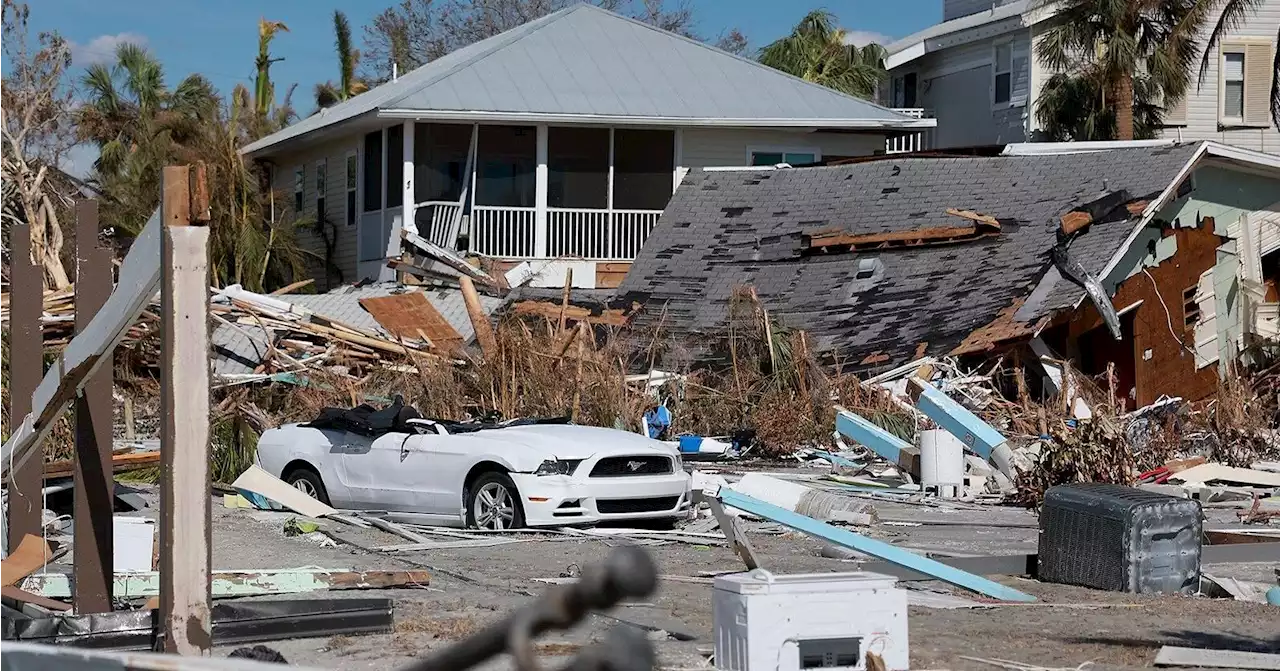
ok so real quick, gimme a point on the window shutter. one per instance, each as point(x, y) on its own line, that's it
point(1258, 59)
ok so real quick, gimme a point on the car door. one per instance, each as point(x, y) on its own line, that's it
point(386, 473)
point(448, 459)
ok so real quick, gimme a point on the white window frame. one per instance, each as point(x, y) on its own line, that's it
point(996, 72)
point(752, 150)
point(351, 206)
point(1232, 48)
point(322, 189)
point(299, 189)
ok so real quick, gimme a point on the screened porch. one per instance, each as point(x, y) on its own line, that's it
point(515, 192)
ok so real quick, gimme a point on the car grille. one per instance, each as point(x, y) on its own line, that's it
point(615, 506)
point(615, 467)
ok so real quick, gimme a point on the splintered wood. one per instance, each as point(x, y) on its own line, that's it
point(981, 226)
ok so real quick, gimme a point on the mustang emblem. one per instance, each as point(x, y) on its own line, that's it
point(635, 466)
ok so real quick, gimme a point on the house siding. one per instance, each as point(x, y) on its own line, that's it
point(952, 83)
point(1202, 99)
point(954, 9)
point(1224, 195)
point(344, 253)
point(712, 147)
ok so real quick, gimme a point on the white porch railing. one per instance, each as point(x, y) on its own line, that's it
point(604, 235)
point(506, 232)
point(436, 221)
point(917, 141)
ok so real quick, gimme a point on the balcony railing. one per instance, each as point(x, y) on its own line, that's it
point(438, 221)
point(915, 141)
point(593, 234)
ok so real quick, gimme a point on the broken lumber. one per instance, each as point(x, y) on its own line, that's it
point(608, 317)
point(32, 553)
point(984, 219)
point(890, 447)
point(976, 434)
point(479, 321)
point(445, 256)
point(860, 543)
point(1172, 655)
point(980, 228)
point(23, 596)
point(144, 584)
point(120, 463)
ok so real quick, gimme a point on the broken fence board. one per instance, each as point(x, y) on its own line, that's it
point(146, 584)
point(1171, 655)
point(138, 279)
point(870, 546)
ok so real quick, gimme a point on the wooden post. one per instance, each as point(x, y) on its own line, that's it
point(479, 321)
point(185, 554)
point(94, 484)
point(26, 351)
point(564, 298)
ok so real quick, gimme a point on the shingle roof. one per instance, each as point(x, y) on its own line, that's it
point(724, 229)
point(239, 350)
point(584, 60)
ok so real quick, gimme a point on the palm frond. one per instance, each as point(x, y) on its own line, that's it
point(1234, 14)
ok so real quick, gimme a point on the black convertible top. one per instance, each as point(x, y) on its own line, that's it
point(367, 420)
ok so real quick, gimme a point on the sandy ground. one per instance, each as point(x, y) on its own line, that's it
point(471, 587)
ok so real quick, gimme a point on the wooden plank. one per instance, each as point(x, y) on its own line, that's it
point(733, 533)
point(185, 515)
point(120, 463)
point(479, 320)
point(137, 281)
point(895, 238)
point(22, 596)
point(144, 584)
point(31, 554)
point(409, 314)
point(94, 486)
point(26, 366)
point(1172, 655)
point(871, 546)
point(290, 288)
point(1074, 221)
point(984, 219)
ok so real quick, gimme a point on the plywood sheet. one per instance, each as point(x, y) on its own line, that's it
point(411, 316)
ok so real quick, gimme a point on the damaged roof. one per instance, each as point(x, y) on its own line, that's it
point(883, 304)
point(239, 349)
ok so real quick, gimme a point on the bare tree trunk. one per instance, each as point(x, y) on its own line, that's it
point(1122, 98)
point(52, 259)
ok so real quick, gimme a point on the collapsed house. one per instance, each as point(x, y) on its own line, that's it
point(889, 260)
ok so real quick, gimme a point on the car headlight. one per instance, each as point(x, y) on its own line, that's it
point(558, 467)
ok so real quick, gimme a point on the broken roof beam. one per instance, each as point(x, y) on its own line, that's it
point(978, 219)
point(860, 543)
point(976, 434)
point(445, 256)
point(826, 240)
point(1100, 210)
point(890, 447)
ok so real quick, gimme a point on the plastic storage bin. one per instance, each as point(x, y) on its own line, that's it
point(1119, 538)
point(766, 622)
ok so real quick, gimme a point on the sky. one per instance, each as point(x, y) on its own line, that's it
point(219, 38)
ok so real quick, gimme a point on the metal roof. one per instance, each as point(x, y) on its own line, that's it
point(590, 65)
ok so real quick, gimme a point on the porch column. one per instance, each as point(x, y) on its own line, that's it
point(609, 250)
point(410, 223)
point(677, 169)
point(540, 196)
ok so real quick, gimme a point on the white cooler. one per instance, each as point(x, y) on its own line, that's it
point(767, 622)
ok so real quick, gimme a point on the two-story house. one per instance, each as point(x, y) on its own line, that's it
point(560, 140)
point(977, 73)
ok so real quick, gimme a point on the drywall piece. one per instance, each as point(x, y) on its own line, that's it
point(890, 447)
point(1171, 655)
point(240, 583)
point(134, 538)
point(976, 434)
point(1206, 473)
point(849, 539)
point(261, 488)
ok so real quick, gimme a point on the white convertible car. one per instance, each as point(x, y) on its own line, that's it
point(494, 476)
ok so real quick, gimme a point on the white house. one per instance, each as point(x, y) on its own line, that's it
point(977, 74)
point(560, 139)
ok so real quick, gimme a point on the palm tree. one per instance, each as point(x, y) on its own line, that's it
point(815, 51)
point(1073, 108)
point(1234, 13)
point(1109, 43)
point(139, 125)
point(264, 92)
point(348, 86)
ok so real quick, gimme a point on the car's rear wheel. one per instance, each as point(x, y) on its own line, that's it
point(308, 482)
point(494, 503)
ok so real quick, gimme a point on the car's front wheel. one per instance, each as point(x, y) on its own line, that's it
point(308, 482)
point(494, 503)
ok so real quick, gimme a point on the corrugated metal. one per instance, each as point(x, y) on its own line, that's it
point(586, 60)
